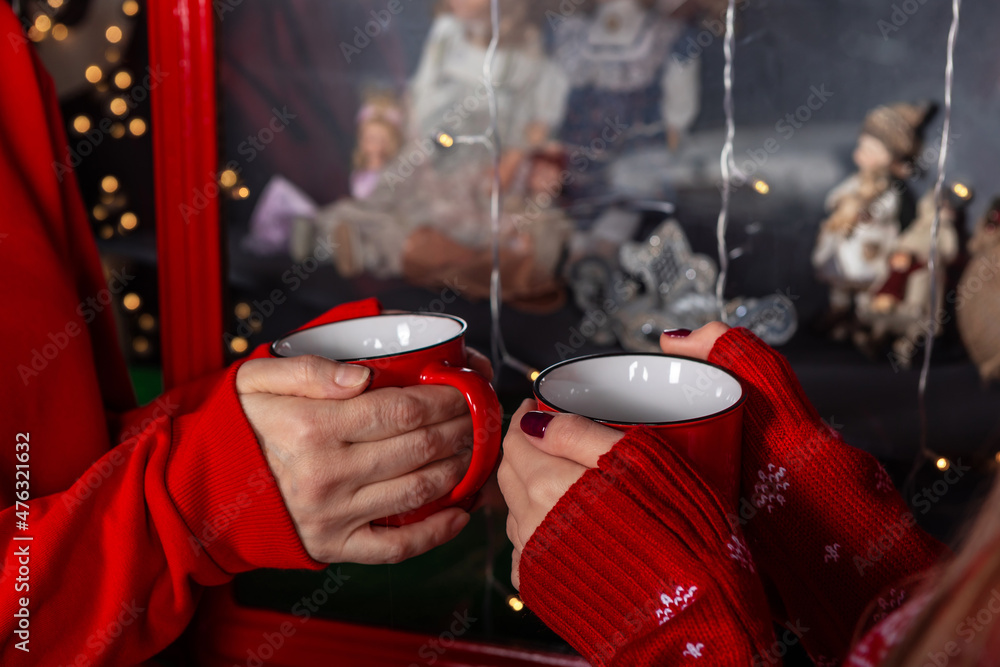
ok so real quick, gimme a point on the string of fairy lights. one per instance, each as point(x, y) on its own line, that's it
point(116, 88)
point(118, 92)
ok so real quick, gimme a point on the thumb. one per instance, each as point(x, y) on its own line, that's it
point(308, 376)
point(697, 344)
point(569, 436)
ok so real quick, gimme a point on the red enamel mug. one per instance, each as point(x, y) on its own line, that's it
point(408, 349)
point(697, 406)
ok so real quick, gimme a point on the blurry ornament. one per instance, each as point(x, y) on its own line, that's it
point(978, 301)
point(661, 285)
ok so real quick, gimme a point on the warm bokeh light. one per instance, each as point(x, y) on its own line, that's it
point(123, 79)
point(100, 213)
point(118, 106)
point(131, 301)
point(117, 130)
point(943, 464)
point(114, 34)
point(140, 344)
point(239, 345)
point(533, 375)
point(446, 140)
point(93, 74)
point(961, 190)
point(55, 4)
point(515, 603)
point(130, 7)
point(762, 187)
point(59, 32)
point(243, 310)
point(243, 192)
point(147, 322)
point(107, 231)
point(112, 55)
point(129, 220)
point(137, 127)
point(42, 23)
point(109, 184)
point(227, 178)
point(81, 124)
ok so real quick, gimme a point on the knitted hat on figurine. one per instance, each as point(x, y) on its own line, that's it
point(898, 127)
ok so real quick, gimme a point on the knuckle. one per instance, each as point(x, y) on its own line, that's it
point(308, 369)
point(546, 492)
point(419, 491)
point(425, 445)
point(405, 412)
point(503, 477)
point(715, 329)
point(396, 553)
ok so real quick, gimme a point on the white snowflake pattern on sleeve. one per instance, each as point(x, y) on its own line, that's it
point(672, 605)
point(738, 552)
point(694, 650)
point(771, 487)
point(882, 480)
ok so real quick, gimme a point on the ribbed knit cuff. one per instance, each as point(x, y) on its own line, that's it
point(617, 568)
point(775, 391)
point(220, 482)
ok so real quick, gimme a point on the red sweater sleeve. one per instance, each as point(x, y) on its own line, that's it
point(111, 527)
point(822, 519)
point(637, 565)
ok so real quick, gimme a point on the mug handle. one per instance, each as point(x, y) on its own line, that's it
point(486, 425)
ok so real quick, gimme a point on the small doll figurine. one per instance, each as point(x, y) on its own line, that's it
point(852, 249)
point(380, 136)
point(898, 307)
point(977, 303)
point(622, 64)
point(447, 92)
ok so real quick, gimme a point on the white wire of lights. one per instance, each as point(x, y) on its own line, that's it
point(949, 80)
point(726, 161)
point(491, 141)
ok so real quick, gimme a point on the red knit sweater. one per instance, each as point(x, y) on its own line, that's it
point(117, 542)
point(640, 564)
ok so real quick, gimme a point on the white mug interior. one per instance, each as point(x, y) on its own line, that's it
point(639, 388)
point(371, 337)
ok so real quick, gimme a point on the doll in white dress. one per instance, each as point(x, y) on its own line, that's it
point(447, 191)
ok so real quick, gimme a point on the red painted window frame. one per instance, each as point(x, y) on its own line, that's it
point(185, 155)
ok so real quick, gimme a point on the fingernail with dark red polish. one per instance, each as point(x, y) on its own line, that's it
point(677, 333)
point(533, 423)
